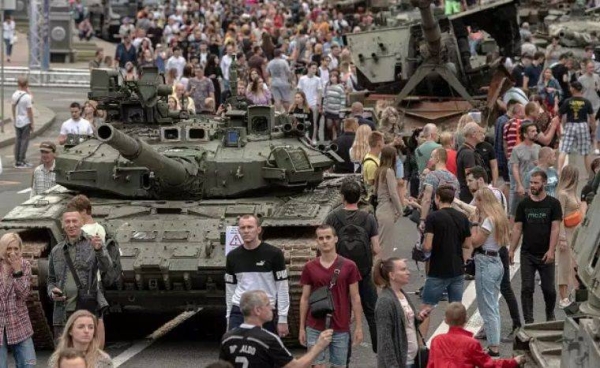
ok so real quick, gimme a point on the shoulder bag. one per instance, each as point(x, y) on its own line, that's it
point(86, 298)
point(321, 300)
point(422, 357)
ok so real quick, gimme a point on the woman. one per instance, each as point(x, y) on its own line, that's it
point(488, 235)
point(257, 90)
point(86, 31)
point(317, 54)
point(389, 207)
point(145, 45)
point(549, 90)
point(360, 147)
point(571, 206)
point(147, 59)
point(395, 315)
point(130, 72)
point(9, 35)
point(188, 69)
point(81, 333)
point(15, 278)
point(300, 109)
point(90, 113)
point(173, 104)
point(214, 72)
point(333, 102)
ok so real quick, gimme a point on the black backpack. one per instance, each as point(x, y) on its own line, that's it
point(114, 275)
point(354, 242)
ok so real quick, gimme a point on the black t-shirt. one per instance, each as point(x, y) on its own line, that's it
point(487, 154)
point(466, 158)
point(577, 109)
point(517, 75)
point(303, 116)
point(533, 72)
point(587, 189)
point(450, 228)
point(253, 347)
point(351, 217)
point(537, 218)
point(344, 143)
point(559, 71)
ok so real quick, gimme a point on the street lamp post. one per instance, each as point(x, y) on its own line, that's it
point(4, 6)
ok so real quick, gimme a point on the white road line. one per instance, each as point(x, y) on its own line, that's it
point(139, 346)
point(26, 190)
point(469, 296)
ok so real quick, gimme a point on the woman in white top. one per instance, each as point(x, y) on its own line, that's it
point(9, 35)
point(488, 236)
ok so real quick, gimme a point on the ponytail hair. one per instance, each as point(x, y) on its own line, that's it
point(382, 269)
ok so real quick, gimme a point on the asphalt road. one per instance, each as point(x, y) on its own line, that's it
point(194, 343)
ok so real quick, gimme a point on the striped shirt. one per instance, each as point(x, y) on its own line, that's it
point(262, 268)
point(512, 135)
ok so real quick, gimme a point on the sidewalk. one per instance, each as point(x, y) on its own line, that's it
point(43, 117)
point(20, 53)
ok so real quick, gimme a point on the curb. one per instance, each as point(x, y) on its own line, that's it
point(10, 141)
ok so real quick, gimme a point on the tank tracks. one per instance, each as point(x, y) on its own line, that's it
point(34, 252)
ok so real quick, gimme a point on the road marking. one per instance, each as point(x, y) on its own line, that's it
point(26, 190)
point(6, 182)
point(138, 347)
point(469, 296)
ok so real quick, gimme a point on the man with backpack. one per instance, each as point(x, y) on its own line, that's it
point(370, 162)
point(358, 241)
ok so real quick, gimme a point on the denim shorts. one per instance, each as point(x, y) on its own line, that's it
point(338, 349)
point(434, 289)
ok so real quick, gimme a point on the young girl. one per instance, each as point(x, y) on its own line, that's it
point(302, 112)
point(334, 100)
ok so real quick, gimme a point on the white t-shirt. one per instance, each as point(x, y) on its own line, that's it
point(24, 99)
point(490, 243)
point(310, 87)
point(177, 63)
point(95, 229)
point(225, 64)
point(80, 127)
point(9, 30)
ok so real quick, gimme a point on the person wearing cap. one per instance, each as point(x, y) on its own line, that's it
point(523, 159)
point(44, 177)
point(578, 114)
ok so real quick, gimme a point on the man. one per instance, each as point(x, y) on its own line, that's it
point(371, 161)
point(518, 72)
point(499, 141)
point(203, 53)
point(323, 71)
point(364, 225)
point(358, 110)
point(476, 180)
point(256, 265)
point(251, 346)
point(341, 275)
point(561, 71)
point(87, 252)
point(528, 47)
point(225, 64)
point(488, 155)
point(176, 62)
point(76, 125)
point(22, 115)
point(312, 87)
point(522, 159)
point(440, 175)
point(98, 59)
point(344, 142)
point(534, 71)
point(447, 233)
point(546, 160)
point(467, 157)
point(538, 218)
point(82, 204)
point(200, 88)
point(44, 177)
point(588, 188)
point(279, 74)
point(125, 53)
point(423, 152)
point(183, 100)
point(458, 348)
point(553, 52)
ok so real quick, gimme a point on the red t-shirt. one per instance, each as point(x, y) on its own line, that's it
point(315, 275)
point(451, 160)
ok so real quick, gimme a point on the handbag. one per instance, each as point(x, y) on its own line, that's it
point(470, 267)
point(422, 357)
point(321, 300)
point(573, 219)
point(87, 299)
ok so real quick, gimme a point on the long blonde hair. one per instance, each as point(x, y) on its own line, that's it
point(7, 239)
point(569, 176)
point(360, 147)
point(490, 208)
point(93, 352)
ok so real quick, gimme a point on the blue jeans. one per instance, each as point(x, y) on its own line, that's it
point(338, 349)
point(434, 288)
point(9, 47)
point(23, 352)
point(488, 276)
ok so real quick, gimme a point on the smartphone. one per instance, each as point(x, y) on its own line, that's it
point(57, 293)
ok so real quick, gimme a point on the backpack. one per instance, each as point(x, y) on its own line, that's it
point(479, 161)
point(113, 276)
point(354, 242)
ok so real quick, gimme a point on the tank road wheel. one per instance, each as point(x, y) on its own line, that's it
point(297, 252)
point(37, 303)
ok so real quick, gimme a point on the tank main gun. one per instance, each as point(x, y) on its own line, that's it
point(431, 27)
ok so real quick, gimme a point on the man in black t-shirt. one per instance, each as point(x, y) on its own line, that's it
point(589, 186)
point(251, 346)
point(488, 155)
point(560, 72)
point(447, 232)
point(538, 218)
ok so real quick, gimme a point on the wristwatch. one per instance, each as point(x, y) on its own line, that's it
point(16, 275)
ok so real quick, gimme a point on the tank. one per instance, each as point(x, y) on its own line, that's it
point(575, 341)
point(167, 187)
point(425, 66)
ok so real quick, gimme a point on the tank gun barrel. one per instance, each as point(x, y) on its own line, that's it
point(170, 171)
point(431, 27)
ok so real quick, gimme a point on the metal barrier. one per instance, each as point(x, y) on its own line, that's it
point(50, 78)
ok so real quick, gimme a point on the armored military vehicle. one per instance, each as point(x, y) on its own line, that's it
point(426, 66)
point(167, 187)
point(575, 341)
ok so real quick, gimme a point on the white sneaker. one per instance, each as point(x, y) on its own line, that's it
point(564, 303)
